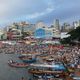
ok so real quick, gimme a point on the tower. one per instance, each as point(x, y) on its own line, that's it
point(56, 24)
point(56, 31)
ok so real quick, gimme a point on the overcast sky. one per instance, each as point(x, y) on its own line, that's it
point(37, 10)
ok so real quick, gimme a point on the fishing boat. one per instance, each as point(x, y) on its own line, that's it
point(56, 74)
point(40, 77)
point(9, 53)
point(29, 60)
point(22, 56)
point(17, 65)
point(37, 71)
point(57, 70)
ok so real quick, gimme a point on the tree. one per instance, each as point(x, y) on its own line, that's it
point(74, 36)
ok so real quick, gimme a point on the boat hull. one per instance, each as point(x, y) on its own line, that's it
point(18, 65)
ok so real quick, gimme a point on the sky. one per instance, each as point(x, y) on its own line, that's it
point(38, 10)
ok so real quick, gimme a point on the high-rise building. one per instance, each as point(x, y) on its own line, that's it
point(56, 30)
point(56, 24)
point(66, 27)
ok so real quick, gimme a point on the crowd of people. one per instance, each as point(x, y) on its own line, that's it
point(22, 48)
point(70, 54)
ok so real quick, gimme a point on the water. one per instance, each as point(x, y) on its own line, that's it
point(10, 73)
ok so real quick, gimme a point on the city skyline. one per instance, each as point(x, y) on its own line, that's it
point(33, 11)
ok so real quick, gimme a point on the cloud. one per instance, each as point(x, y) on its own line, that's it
point(39, 14)
point(23, 10)
point(14, 10)
point(34, 10)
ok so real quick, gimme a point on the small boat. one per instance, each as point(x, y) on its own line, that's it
point(29, 60)
point(24, 56)
point(9, 53)
point(21, 56)
point(37, 71)
point(57, 74)
point(17, 65)
point(54, 66)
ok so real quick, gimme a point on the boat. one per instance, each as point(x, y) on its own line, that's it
point(29, 60)
point(9, 53)
point(24, 56)
point(37, 71)
point(49, 76)
point(21, 56)
point(17, 65)
point(58, 70)
point(57, 74)
point(57, 66)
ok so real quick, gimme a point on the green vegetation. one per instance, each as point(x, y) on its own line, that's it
point(74, 36)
